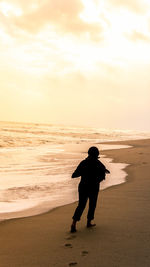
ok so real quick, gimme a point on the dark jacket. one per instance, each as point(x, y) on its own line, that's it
point(91, 170)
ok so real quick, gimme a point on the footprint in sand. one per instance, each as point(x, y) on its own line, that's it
point(70, 237)
point(84, 253)
point(68, 245)
point(72, 263)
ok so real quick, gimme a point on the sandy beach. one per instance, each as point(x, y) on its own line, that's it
point(121, 237)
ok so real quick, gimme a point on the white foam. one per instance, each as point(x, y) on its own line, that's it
point(32, 195)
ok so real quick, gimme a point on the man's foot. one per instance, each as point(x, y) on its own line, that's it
point(73, 229)
point(89, 224)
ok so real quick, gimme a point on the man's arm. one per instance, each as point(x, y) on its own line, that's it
point(78, 171)
point(104, 168)
point(103, 171)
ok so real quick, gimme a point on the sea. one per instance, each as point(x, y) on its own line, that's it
point(37, 160)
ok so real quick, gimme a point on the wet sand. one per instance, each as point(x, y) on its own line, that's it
point(121, 237)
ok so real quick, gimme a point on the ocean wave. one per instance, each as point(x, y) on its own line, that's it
point(21, 135)
point(33, 191)
point(36, 161)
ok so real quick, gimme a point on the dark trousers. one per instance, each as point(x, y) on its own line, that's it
point(86, 193)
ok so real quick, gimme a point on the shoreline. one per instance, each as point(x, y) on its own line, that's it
point(117, 176)
point(121, 237)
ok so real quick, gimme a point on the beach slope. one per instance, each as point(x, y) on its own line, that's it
point(120, 239)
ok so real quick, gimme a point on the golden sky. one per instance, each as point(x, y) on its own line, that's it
point(76, 62)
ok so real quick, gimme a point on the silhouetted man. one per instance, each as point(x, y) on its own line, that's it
point(92, 172)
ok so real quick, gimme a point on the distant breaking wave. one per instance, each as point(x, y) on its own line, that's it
point(30, 134)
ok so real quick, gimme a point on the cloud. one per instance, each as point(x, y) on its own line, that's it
point(136, 36)
point(25, 5)
point(9, 31)
point(62, 15)
point(4, 23)
point(138, 6)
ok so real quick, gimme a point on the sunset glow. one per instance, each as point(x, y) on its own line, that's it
point(80, 62)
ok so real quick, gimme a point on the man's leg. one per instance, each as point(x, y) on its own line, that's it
point(92, 205)
point(83, 197)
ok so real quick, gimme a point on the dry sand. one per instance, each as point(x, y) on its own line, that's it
point(121, 237)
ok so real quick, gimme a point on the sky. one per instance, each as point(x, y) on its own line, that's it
point(76, 62)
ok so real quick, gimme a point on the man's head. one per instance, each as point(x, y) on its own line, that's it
point(93, 152)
